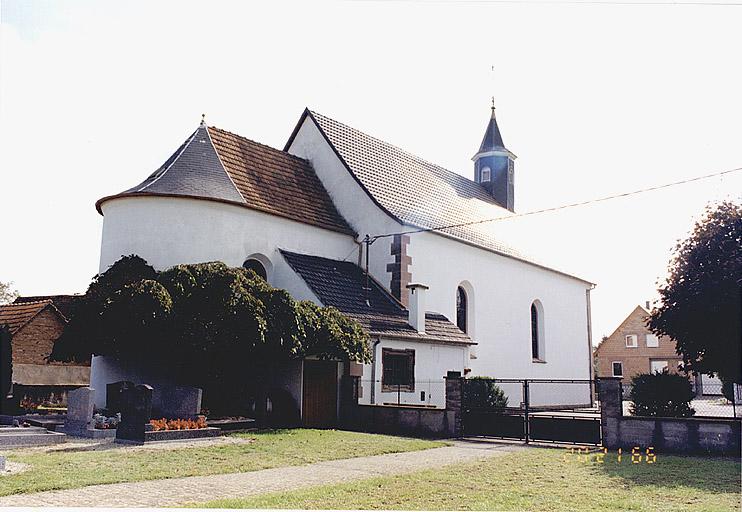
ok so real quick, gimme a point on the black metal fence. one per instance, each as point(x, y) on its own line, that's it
point(544, 410)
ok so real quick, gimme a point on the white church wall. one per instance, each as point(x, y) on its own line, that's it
point(432, 362)
point(170, 231)
point(503, 290)
point(353, 203)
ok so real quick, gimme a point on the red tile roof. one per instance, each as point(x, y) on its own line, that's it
point(217, 165)
point(276, 182)
point(16, 316)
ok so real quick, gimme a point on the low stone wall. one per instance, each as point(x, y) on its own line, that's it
point(679, 435)
point(402, 420)
point(398, 420)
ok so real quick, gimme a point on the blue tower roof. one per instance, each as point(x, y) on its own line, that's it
point(492, 140)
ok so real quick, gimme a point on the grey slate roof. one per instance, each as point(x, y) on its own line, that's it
point(341, 284)
point(492, 139)
point(414, 191)
point(193, 170)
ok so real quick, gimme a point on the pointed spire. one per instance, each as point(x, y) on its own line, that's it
point(492, 139)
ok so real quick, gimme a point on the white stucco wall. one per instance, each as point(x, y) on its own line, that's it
point(501, 291)
point(432, 362)
point(170, 231)
point(353, 203)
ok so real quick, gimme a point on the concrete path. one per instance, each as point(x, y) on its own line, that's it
point(196, 489)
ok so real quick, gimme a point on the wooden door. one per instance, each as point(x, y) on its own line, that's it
point(319, 409)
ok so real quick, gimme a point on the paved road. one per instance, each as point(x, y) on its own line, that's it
point(180, 491)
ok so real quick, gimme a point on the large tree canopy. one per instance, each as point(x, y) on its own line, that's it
point(701, 308)
point(207, 316)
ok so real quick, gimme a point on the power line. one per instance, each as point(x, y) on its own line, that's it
point(372, 239)
point(563, 2)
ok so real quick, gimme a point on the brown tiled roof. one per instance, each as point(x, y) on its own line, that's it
point(341, 284)
point(414, 191)
point(276, 182)
point(66, 304)
point(217, 165)
point(16, 316)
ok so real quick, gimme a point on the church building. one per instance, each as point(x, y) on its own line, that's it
point(443, 293)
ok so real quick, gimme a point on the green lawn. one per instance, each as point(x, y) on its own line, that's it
point(67, 468)
point(535, 479)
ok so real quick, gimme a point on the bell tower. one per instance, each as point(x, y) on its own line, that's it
point(494, 165)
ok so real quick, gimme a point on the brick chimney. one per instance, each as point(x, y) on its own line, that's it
point(417, 306)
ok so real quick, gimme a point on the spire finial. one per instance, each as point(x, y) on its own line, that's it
point(493, 107)
point(203, 119)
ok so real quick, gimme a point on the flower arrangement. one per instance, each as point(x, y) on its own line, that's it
point(106, 422)
point(179, 424)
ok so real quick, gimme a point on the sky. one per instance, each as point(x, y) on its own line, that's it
point(595, 99)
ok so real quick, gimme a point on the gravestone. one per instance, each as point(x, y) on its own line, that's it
point(79, 411)
point(2, 462)
point(176, 402)
point(113, 395)
point(136, 411)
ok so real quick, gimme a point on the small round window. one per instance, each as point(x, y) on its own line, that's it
point(256, 267)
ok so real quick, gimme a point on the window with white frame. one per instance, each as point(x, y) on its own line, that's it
point(486, 174)
point(653, 340)
point(537, 332)
point(617, 367)
point(658, 366)
point(632, 341)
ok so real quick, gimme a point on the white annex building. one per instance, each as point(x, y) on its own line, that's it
point(438, 299)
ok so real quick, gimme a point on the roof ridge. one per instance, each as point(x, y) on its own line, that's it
point(412, 155)
point(28, 302)
point(285, 153)
point(224, 167)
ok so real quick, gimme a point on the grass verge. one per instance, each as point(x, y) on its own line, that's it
point(536, 479)
point(67, 468)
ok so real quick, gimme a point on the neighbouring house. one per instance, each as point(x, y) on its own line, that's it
point(439, 298)
point(633, 349)
point(34, 324)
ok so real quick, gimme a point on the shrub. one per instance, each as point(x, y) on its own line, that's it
point(661, 394)
point(483, 393)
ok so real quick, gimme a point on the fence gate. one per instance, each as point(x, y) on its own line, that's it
point(543, 410)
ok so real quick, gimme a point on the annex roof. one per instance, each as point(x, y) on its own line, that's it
point(66, 304)
point(416, 192)
point(341, 284)
point(215, 164)
point(16, 315)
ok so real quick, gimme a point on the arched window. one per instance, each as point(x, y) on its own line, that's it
point(257, 267)
point(461, 309)
point(537, 331)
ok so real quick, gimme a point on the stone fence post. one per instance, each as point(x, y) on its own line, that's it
point(454, 390)
point(611, 410)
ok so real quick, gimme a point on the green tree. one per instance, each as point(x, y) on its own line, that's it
point(89, 329)
point(7, 293)
point(701, 300)
point(207, 324)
